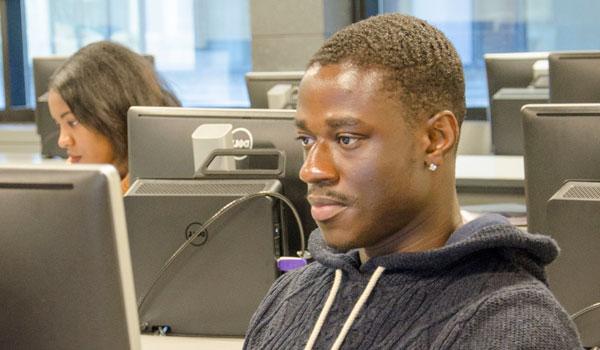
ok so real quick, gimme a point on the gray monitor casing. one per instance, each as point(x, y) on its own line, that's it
point(574, 77)
point(43, 68)
point(561, 143)
point(574, 222)
point(259, 83)
point(160, 147)
point(512, 69)
point(214, 287)
point(66, 271)
point(507, 125)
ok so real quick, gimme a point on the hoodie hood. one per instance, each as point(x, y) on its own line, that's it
point(488, 232)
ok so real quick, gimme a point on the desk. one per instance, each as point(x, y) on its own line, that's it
point(26, 158)
point(489, 179)
point(153, 342)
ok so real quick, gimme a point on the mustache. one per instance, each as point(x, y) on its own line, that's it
point(337, 196)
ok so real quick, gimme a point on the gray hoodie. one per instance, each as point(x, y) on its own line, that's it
point(485, 289)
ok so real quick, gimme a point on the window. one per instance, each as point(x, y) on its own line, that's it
point(200, 47)
point(481, 26)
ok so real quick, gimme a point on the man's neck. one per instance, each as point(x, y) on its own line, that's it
point(428, 232)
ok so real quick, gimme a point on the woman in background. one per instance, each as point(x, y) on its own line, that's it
point(89, 96)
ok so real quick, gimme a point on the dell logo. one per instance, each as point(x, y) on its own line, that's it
point(242, 139)
point(241, 144)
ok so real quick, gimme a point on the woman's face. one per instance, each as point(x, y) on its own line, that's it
point(83, 145)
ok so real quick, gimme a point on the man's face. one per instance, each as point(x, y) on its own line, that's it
point(364, 165)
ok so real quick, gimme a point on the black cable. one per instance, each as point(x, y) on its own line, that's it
point(212, 219)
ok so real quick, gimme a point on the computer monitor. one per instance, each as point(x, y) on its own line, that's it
point(573, 221)
point(574, 77)
point(171, 194)
point(507, 127)
point(560, 143)
point(43, 68)
point(66, 271)
point(513, 69)
point(259, 84)
point(161, 146)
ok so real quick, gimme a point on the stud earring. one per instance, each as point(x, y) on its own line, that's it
point(432, 167)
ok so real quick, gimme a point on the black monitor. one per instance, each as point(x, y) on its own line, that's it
point(574, 77)
point(43, 68)
point(561, 143)
point(172, 193)
point(259, 84)
point(512, 70)
point(66, 271)
point(161, 146)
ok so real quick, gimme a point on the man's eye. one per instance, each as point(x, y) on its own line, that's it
point(305, 140)
point(347, 140)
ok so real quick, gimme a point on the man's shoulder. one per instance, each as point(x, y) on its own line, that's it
point(522, 315)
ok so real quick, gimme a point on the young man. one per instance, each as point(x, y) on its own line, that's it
point(379, 114)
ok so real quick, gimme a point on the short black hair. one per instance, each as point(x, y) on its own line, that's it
point(101, 81)
point(421, 66)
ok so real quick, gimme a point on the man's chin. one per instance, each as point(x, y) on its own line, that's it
point(338, 241)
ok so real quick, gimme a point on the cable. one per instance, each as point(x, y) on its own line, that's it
point(212, 219)
point(585, 310)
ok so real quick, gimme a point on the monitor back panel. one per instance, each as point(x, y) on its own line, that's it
point(574, 221)
point(160, 147)
point(259, 83)
point(216, 284)
point(60, 285)
point(507, 125)
point(574, 77)
point(561, 143)
point(43, 68)
point(510, 70)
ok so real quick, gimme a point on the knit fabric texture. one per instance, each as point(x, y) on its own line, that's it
point(485, 289)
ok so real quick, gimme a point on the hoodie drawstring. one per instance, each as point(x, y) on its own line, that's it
point(323, 315)
point(355, 310)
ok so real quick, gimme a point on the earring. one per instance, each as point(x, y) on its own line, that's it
point(432, 167)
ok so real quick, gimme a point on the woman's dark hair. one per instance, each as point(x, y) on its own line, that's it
point(101, 81)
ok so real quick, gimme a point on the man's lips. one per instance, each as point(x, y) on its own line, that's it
point(325, 208)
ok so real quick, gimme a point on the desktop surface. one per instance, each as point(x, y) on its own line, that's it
point(154, 342)
point(490, 170)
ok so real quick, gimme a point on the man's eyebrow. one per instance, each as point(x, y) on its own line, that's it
point(300, 123)
point(339, 122)
point(333, 122)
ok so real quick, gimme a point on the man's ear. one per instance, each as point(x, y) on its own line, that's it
point(442, 133)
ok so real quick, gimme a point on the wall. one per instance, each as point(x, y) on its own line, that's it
point(286, 33)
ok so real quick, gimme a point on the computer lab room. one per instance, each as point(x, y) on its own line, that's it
point(159, 178)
